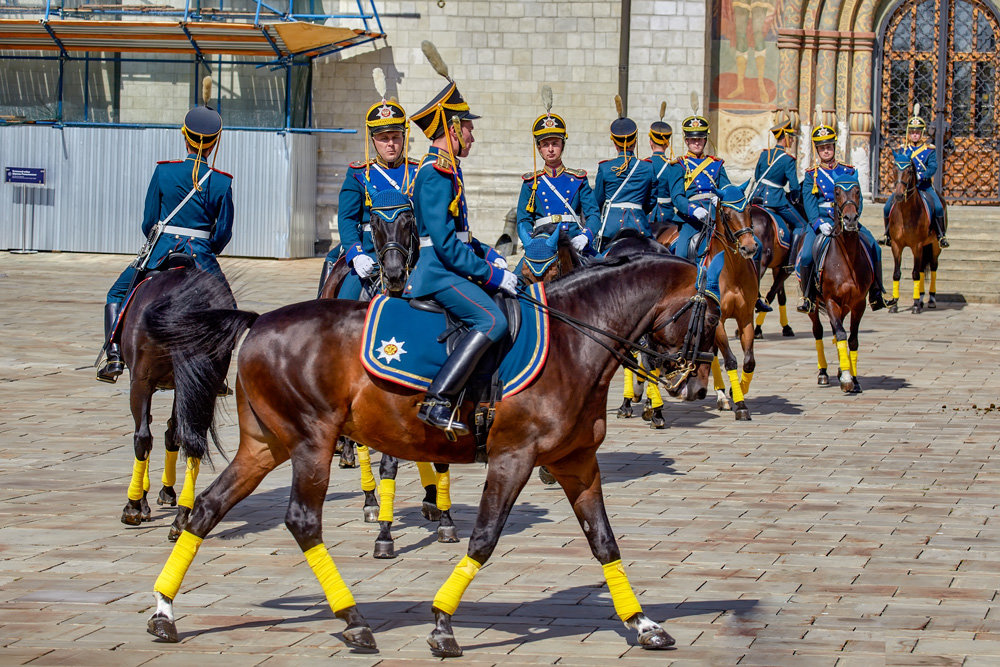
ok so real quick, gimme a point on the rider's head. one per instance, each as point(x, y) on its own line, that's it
point(824, 139)
point(202, 129)
point(784, 133)
point(447, 121)
point(696, 131)
point(386, 123)
point(624, 134)
point(549, 132)
point(660, 134)
point(915, 128)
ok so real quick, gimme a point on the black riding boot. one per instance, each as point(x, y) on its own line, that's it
point(937, 222)
point(327, 269)
point(436, 410)
point(807, 285)
point(885, 240)
point(876, 294)
point(114, 365)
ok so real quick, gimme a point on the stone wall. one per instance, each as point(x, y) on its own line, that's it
point(501, 53)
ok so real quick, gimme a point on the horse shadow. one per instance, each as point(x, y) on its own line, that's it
point(622, 466)
point(539, 620)
point(883, 382)
point(772, 404)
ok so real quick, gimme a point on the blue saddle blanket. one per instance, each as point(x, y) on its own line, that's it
point(781, 232)
point(400, 344)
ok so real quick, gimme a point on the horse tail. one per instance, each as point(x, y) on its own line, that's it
point(198, 325)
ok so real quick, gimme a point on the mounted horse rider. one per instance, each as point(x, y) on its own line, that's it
point(818, 199)
point(555, 193)
point(188, 209)
point(454, 268)
point(625, 187)
point(660, 135)
point(694, 180)
point(923, 155)
point(775, 170)
point(390, 169)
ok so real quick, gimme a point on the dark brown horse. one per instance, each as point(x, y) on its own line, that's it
point(301, 384)
point(777, 258)
point(910, 227)
point(151, 366)
point(847, 276)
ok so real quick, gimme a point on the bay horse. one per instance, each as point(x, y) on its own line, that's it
point(152, 366)
point(779, 260)
point(301, 384)
point(397, 247)
point(910, 227)
point(732, 235)
point(847, 275)
point(564, 259)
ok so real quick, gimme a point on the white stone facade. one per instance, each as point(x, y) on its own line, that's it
point(501, 53)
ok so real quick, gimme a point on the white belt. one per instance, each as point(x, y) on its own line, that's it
point(425, 241)
point(367, 227)
point(184, 231)
point(663, 200)
point(624, 204)
point(565, 217)
point(771, 183)
point(702, 195)
point(826, 204)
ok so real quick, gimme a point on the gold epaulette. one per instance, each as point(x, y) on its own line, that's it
point(579, 173)
point(361, 164)
point(530, 175)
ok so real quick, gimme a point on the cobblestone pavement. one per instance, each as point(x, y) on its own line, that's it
point(831, 529)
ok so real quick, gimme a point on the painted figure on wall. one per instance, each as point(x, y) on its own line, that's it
point(743, 29)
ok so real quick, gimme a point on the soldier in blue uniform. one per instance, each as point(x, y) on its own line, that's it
point(625, 188)
point(454, 268)
point(555, 193)
point(776, 169)
point(193, 204)
point(694, 179)
point(660, 134)
point(390, 169)
point(817, 197)
point(924, 158)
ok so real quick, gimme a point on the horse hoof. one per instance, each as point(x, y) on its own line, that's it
point(167, 496)
point(146, 512)
point(371, 513)
point(757, 333)
point(917, 308)
point(384, 549)
point(742, 412)
point(625, 410)
point(547, 478)
point(360, 638)
point(657, 421)
point(174, 533)
point(823, 379)
point(847, 384)
point(131, 516)
point(444, 645)
point(893, 308)
point(647, 411)
point(857, 387)
point(345, 464)
point(430, 511)
point(656, 640)
point(787, 332)
point(447, 534)
point(162, 627)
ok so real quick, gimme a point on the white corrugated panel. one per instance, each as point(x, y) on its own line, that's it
point(96, 180)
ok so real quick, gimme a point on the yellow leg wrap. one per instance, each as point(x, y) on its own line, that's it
point(921, 282)
point(172, 574)
point(783, 316)
point(734, 382)
point(895, 289)
point(145, 477)
point(627, 391)
point(820, 354)
point(450, 593)
point(337, 593)
point(843, 358)
point(170, 469)
point(854, 363)
point(916, 289)
point(427, 475)
point(387, 497)
point(138, 472)
point(186, 498)
point(365, 462)
point(717, 375)
point(444, 491)
point(626, 604)
point(933, 282)
point(745, 382)
point(760, 318)
point(653, 391)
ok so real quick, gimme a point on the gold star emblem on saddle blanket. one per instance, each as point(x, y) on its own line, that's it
point(391, 350)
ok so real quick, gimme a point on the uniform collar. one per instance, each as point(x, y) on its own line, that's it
point(780, 148)
point(662, 154)
point(691, 155)
point(623, 153)
point(382, 163)
point(917, 147)
point(438, 152)
point(553, 172)
point(830, 167)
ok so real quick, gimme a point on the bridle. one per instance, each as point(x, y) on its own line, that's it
point(908, 190)
point(840, 227)
point(731, 239)
point(409, 253)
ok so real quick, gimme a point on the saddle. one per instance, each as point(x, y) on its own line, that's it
point(174, 260)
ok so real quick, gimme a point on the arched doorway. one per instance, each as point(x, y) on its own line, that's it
point(943, 54)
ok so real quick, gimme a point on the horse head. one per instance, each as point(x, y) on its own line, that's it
point(394, 233)
point(906, 175)
point(685, 342)
point(847, 204)
point(549, 257)
point(734, 221)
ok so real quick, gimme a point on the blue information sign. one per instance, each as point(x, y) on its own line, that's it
point(24, 175)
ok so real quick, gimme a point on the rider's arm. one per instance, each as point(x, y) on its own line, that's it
point(151, 210)
point(794, 187)
point(525, 220)
point(649, 205)
point(930, 164)
point(678, 195)
point(350, 206)
point(222, 232)
point(586, 207)
point(723, 177)
point(810, 201)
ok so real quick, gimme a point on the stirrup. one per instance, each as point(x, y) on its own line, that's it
point(805, 306)
point(762, 307)
point(943, 241)
point(451, 426)
point(110, 371)
point(885, 240)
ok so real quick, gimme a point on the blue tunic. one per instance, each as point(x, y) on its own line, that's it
point(924, 159)
point(663, 212)
point(453, 267)
point(560, 196)
point(693, 181)
point(363, 182)
point(776, 169)
point(625, 192)
point(208, 215)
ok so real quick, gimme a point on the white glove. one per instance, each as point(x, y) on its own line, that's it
point(700, 213)
point(363, 265)
point(579, 242)
point(825, 228)
point(509, 283)
point(500, 263)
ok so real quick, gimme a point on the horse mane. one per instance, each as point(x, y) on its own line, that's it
point(602, 275)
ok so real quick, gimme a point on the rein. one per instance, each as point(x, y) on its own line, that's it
point(409, 255)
